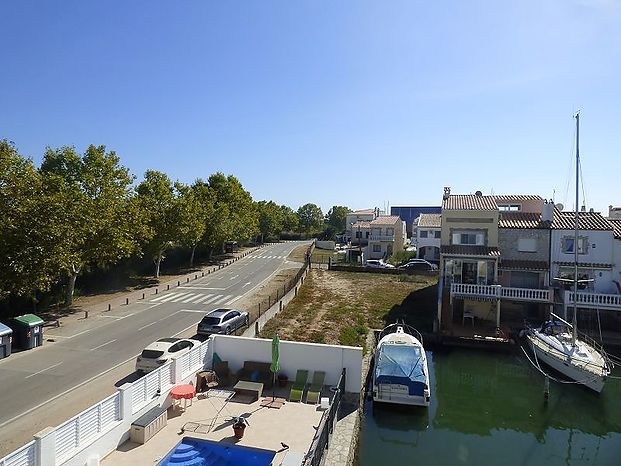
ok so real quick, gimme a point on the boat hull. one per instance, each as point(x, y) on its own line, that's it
point(392, 394)
point(564, 366)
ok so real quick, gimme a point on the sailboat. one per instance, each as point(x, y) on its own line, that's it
point(557, 342)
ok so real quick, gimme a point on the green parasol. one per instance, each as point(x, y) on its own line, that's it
point(275, 366)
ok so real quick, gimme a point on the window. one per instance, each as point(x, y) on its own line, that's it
point(567, 244)
point(509, 207)
point(469, 238)
point(377, 248)
point(423, 234)
point(527, 245)
point(437, 234)
point(390, 231)
point(367, 235)
point(358, 234)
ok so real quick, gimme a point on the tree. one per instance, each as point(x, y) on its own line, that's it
point(100, 220)
point(270, 219)
point(335, 220)
point(290, 220)
point(29, 253)
point(310, 218)
point(192, 218)
point(156, 197)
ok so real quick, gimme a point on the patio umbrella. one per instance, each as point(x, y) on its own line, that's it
point(275, 366)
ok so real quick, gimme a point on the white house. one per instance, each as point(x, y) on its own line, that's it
point(616, 254)
point(387, 236)
point(357, 225)
point(429, 236)
point(595, 250)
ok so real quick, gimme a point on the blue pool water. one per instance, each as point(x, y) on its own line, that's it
point(197, 452)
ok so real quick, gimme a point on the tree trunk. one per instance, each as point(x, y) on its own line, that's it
point(158, 261)
point(71, 285)
point(192, 256)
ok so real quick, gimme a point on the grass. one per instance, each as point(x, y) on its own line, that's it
point(341, 307)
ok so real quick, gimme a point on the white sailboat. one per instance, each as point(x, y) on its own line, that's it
point(557, 342)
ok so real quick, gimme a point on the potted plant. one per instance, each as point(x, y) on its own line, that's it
point(239, 426)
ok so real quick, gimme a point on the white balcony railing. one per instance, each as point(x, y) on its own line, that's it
point(501, 292)
point(595, 300)
point(381, 237)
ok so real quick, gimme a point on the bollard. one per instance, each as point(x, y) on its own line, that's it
point(142, 295)
point(157, 291)
point(269, 301)
point(208, 272)
point(256, 329)
point(109, 307)
point(195, 276)
point(280, 306)
point(295, 293)
point(126, 301)
point(202, 274)
point(86, 314)
point(178, 283)
point(168, 287)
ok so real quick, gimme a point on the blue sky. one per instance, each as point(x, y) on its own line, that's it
point(357, 103)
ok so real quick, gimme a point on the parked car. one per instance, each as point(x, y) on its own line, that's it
point(162, 351)
point(378, 264)
point(222, 321)
point(418, 264)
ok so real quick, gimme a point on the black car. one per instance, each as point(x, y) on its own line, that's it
point(418, 265)
point(222, 321)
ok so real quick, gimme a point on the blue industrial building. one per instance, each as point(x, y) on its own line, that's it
point(410, 213)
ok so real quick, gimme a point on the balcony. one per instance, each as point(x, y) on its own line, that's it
point(382, 238)
point(594, 300)
point(464, 290)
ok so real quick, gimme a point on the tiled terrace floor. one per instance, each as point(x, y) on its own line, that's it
point(293, 424)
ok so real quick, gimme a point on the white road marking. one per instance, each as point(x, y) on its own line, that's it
point(211, 300)
point(222, 299)
point(168, 297)
point(148, 325)
point(201, 288)
point(112, 317)
point(159, 297)
point(101, 346)
point(246, 284)
point(231, 301)
point(181, 296)
point(234, 277)
point(190, 297)
point(201, 298)
point(43, 370)
point(192, 310)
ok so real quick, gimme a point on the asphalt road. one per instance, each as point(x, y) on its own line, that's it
point(81, 354)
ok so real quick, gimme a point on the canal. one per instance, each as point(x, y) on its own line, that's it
point(489, 409)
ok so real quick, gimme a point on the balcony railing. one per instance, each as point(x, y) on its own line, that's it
point(381, 237)
point(501, 292)
point(594, 300)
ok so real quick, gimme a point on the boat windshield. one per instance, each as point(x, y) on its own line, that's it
point(401, 361)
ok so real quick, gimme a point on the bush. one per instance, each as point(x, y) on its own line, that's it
point(401, 257)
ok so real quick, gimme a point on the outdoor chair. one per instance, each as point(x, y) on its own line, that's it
point(223, 372)
point(314, 391)
point(297, 390)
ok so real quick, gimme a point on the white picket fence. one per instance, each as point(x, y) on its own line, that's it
point(193, 360)
point(25, 456)
point(151, 385)
point(82, 429)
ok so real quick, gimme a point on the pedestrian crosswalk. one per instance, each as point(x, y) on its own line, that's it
point(194, 298)
point(268, 257)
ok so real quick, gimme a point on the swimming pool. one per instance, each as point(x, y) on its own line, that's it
point(193, 451)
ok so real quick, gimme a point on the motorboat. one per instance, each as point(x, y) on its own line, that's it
point(400, 373)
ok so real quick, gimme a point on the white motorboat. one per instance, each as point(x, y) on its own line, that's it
point(401, 375)
point(557, 343)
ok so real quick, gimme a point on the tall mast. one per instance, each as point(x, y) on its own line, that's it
point(577, 219)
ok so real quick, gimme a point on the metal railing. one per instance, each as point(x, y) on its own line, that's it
point(501, 292)
point(598, 300)
point(321, 440)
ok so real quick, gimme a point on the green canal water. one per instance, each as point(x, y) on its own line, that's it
point(489, 409)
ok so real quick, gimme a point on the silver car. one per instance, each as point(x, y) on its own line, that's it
point(222, 321)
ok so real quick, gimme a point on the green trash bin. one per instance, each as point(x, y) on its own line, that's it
point(27, 331)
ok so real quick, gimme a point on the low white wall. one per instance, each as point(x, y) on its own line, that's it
point(294, 356)
point(325, 245)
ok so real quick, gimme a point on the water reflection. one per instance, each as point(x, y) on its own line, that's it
point(489, 409)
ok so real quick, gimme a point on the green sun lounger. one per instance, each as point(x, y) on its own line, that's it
point(314, 391)
point(297, 390)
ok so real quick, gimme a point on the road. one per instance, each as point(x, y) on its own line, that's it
point(80, 355)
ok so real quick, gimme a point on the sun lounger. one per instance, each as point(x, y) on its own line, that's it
point(297, 391)
point(314, 391)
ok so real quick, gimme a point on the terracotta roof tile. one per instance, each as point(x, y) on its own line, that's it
point(363, 212)
point(523, 264)
point(469, 202)
point(466, 250)
point(521, 220)
point(362, 224)
point(616, 225)
point(588, 221)
point(386, 220)
point(430, 220)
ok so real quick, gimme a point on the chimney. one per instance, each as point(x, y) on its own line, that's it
point(547, 214)
point(583, 208)
point(447, 192)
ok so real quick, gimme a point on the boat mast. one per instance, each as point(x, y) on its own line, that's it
point(577, 218)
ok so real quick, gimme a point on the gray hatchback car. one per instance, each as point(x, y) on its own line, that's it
point(222, 321)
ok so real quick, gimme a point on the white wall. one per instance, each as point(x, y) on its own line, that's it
point(325, 245)
point(294, 356)
point(616, 263)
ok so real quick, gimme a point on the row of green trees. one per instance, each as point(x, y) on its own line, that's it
point(79, 211)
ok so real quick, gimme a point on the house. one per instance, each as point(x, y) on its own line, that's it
point(410, 213)
point(616, 254)
point(357, 227)
point(428, 235)
point(614, 213)
point(387, 236)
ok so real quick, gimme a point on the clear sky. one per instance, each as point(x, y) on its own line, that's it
point(357, 103)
